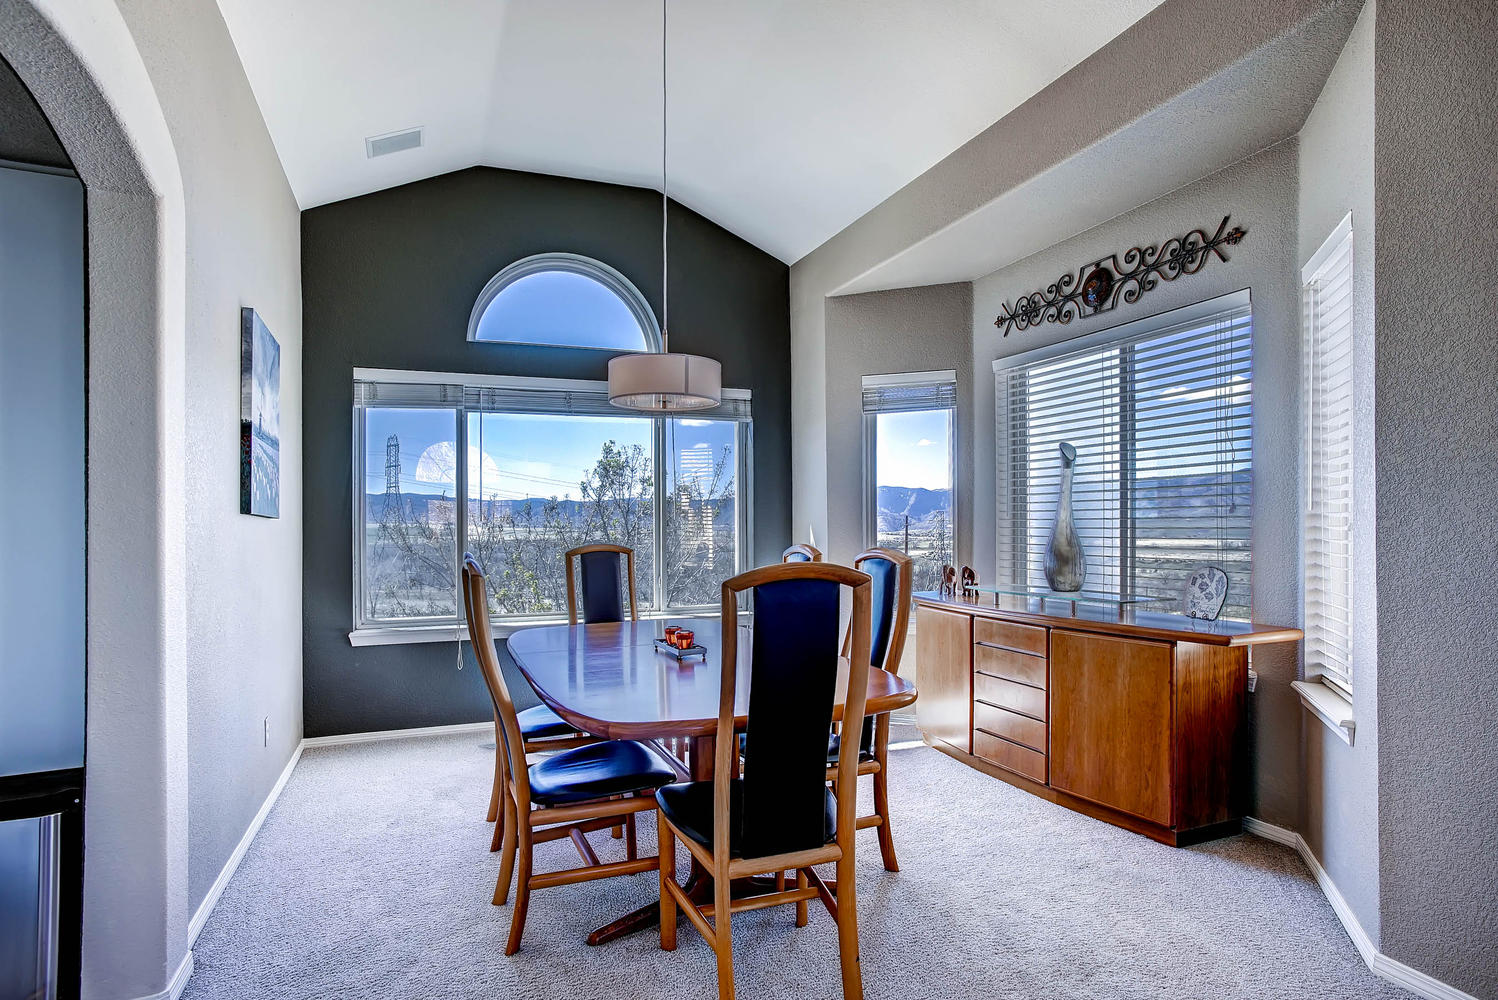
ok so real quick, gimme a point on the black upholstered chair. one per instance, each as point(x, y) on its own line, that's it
point(801, 553)
point(541, 729)
point(567, 794)
point(780, 815)
point(596, 571)
point(891, 574)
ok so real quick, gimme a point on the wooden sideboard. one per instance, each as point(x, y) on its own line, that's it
point(1137, 718)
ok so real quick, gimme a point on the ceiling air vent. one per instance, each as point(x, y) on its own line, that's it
point(392, 142)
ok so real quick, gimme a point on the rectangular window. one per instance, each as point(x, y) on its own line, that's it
point(1327, 385)
point(909, 421)
point(1160, 413)
point(549, 465)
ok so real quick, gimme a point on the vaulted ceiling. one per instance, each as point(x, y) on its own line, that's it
point(789, 119)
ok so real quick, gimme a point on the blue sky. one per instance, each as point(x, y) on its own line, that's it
point(561, 308)
point(522, 455)
point(912, 449)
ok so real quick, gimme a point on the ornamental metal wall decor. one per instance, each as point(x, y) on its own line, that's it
point(1102, 284)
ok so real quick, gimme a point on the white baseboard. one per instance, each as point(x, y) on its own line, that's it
point(398, 734)
point(178, 983)
point(205, 908)
point(1382, 965)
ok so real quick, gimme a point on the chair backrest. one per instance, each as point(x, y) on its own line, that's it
point(794, 666)
point(482, 636)
point(602, 582)
point(892, 573)
point(801, 553)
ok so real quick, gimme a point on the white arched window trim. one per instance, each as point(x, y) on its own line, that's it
point(570, 263)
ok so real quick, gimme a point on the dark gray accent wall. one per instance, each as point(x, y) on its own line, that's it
point(388, 280)
point(1436, 419)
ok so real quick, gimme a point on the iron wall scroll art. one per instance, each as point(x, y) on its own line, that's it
point(1101, 285)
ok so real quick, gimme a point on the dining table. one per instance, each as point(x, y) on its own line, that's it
point(609, 679)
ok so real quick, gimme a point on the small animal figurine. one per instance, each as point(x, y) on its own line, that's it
point(948, 587)
point(969, 581)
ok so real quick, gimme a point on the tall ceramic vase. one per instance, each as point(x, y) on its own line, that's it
point(1065, 562)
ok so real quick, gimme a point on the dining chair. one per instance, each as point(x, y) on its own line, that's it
point(780, 815)
point(541, 731)
point(892, 573)
point(598, 570)
point(568, 794)
point(801, 552)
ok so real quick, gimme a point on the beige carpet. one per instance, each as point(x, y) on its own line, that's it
point(371, 879)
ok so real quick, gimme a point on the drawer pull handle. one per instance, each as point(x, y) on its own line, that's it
point(1006, 708)
point(1011, 649)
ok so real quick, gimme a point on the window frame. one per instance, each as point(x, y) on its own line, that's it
point(1015, 569)
point(569, 263)
point(444, 628)
point(938, 380)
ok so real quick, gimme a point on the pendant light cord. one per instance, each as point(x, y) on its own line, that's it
point(665, 199)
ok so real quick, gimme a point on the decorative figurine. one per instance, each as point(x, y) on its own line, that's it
point(948, 585)
point(969, 581)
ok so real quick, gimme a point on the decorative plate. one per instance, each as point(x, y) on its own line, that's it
point(1206, 592)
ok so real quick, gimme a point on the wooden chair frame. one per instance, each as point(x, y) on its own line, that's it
point(527, 824)
point(811, 552)
point(570, 559)
point(879, 766)
point(718, 862)
point(496, 815)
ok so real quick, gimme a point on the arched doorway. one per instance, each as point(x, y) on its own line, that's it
point(78, 60)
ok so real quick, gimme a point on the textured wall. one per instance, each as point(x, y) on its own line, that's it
point(388, 282)
point(1260, 195)
point(1336, 177)
point(1436, 367)
point(910, 329)
point(25, 135)
point(243, 607)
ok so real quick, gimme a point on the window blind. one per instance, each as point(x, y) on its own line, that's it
point(909, 391)
point(555, 396)
point(1327, 361)
point(1161, 416)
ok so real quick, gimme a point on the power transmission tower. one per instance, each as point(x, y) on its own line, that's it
point(394, 513)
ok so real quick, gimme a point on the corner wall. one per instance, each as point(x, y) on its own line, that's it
point(243, 625)
point(1436, 366)
point(1336, 177)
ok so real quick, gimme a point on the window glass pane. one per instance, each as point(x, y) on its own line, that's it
point(561, 308)
point(539, 485)
point(701, 514)
point(913, 489)
point(410, 513)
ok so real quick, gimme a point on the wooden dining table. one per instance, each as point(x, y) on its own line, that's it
point(610, 680)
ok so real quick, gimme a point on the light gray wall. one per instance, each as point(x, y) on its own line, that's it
point(244, 624)
point(910, 329)
point(1436, 422)
point(1260, 195)
point(1336, 177)
point(25, 135)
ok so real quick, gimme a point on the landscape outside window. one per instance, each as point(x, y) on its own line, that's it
point(537, 485)
point(913, 489)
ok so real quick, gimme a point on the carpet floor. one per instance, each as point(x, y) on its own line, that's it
point(371, 878)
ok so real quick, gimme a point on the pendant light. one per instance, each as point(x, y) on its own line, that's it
point(665, 382)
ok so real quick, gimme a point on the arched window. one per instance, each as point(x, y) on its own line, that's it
point(564, 300)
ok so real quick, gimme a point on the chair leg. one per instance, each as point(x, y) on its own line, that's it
point(494, 789)
point(632, 845)
point(522, 889)
point(881, 808)
point(847, 928)
point(667, 853)
point(801, 883)
point(723, 935)
point(507, 859)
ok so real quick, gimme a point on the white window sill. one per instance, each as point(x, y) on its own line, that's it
point(400, 635)
point(1329, 705)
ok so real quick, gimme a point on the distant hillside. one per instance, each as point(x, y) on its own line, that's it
point(435, 507)
point(921, 505)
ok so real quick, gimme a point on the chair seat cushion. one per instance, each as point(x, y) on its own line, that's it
point(613, 767)
point(689, 806)
point(834, 744)
point(541, 722)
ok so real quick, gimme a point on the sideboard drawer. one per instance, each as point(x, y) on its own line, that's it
point(1006, 663)
point(1025, 638)
point(1010, 725)
point(1011, 756)
point(1019, 698)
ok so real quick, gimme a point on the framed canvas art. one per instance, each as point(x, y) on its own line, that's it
point(260, 417)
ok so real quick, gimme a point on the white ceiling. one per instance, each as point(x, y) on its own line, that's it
point(789, 118)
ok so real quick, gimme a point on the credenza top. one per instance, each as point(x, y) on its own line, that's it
point(1109, 621)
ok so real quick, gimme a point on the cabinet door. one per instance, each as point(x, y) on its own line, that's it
point(944, 652)
point(1111, 722)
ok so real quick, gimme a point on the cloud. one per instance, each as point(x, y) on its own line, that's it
point(923, 443)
